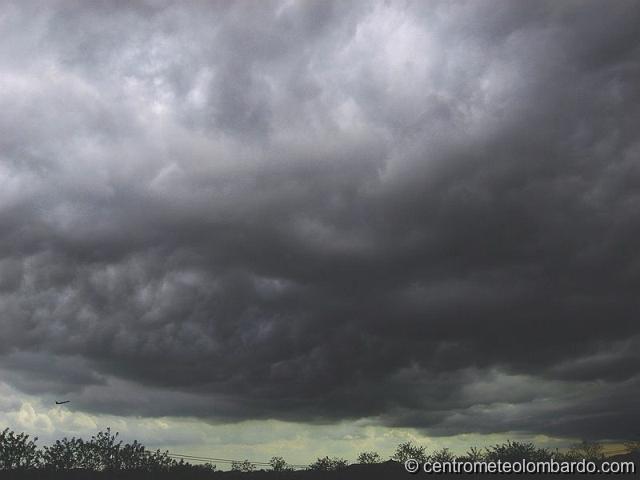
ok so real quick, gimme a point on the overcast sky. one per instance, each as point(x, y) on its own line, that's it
point(390, 215)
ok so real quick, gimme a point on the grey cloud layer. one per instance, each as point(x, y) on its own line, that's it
point(424, 213)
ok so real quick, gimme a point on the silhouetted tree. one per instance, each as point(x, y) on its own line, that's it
point(516, 451)
point(17, 452)
point(590, 451)
point(242, 466)
point(278, 464)
point(104, 450)
point(632, 446)
point(66, 454)
point(408, 450)
point(205, 467)
point(326, 464)
point(369, 457)
point(134, 456)
point(474, 454)
point(443, 455)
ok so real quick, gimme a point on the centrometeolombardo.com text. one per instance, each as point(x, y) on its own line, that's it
point(522, 466)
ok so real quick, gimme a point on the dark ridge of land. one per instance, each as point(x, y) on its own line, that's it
point(388, 471)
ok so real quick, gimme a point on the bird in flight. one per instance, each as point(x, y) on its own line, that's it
point(62, 403)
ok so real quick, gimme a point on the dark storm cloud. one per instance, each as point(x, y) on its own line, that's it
point(424, 213)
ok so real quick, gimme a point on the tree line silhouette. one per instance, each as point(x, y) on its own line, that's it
point(104, 452)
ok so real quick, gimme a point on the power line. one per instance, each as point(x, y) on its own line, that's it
point(198, 458)
point(212, 459)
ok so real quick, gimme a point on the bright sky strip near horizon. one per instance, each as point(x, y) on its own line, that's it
point(389, 220)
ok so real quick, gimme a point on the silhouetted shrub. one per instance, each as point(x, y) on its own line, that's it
point(205, 467)
point(182, 467)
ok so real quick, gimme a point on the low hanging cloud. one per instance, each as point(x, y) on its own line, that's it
point(419, 213)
